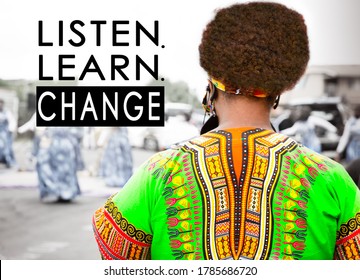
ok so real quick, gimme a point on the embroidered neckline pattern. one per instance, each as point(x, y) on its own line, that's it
point(262, 214)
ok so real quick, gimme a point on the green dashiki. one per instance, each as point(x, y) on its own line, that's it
point(243, 193)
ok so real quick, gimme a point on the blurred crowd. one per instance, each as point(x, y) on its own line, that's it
point(57, 157)
point(57, 150)
point(310, 130)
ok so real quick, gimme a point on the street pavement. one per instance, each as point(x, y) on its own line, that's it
point(30, 229)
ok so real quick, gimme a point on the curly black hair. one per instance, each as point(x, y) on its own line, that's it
point(256, 45)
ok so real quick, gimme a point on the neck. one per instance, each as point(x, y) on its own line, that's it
point(242, 112)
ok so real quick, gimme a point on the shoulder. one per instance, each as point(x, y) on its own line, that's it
point(332, 173)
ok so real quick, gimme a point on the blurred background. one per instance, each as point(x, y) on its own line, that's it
point(92, 163)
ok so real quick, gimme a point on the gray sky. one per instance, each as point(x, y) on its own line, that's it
point(333, 27)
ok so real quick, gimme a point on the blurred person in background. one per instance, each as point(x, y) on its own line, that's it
point(7, 126)
point(239, 190)
point(348, 149)
point(349, 144)
point(303, 130)
point(58, 159)
point(116, 165)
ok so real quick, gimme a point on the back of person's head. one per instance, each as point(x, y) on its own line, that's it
point(255, 47)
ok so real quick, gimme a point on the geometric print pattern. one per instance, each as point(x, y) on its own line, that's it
point(239, 232)
point(348, 240)
point(220, 205)
point(116, 238)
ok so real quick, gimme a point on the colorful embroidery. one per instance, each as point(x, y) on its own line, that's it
point(348, 240)
point(116, 238)
point(183, 207)
point(291, 200)
point(349, 228)
point(198, 208)
point(232, 231)
point(265, 208)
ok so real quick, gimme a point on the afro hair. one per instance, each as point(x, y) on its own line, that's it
point(256, 45)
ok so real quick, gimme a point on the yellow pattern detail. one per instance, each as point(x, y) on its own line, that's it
point(223, 247)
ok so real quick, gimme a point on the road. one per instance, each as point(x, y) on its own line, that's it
point(31, 230)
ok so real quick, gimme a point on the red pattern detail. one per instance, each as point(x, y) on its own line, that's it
point(347, 238)
point(132, 240)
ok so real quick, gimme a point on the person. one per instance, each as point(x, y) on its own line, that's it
point(349, 143)
point(239, 190)
point(57, 162)
point(303, 129)
point(7, 124)
point(116, 165)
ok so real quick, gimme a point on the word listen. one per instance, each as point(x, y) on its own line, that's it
point(119, 62)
